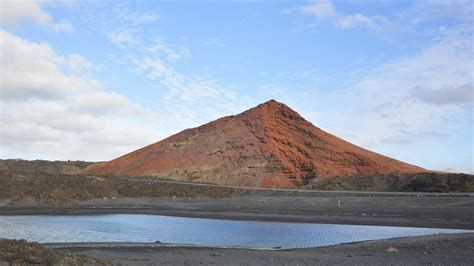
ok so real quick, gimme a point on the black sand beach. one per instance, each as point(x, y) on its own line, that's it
point(452, 249)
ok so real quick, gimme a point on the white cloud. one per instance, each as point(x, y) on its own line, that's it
point(136, 18)
point(155, 67)
point(320, 9)
point(123, 38)
point(79, 64)
point(172, 54)
point(325, 10)
point(463, 94)
point(13, 13)
point(34, 70)
point(46, 113)
point(61, 26)
point(100, 103)
point(375, 23)
point(436, 10)
point(188, 100)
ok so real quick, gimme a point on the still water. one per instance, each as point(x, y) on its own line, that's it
point(150, 228)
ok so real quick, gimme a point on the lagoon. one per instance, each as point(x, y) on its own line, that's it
point(197, 231)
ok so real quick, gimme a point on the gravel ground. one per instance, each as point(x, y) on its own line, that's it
point(442, 249)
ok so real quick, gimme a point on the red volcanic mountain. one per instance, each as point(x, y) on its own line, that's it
point(267, 146)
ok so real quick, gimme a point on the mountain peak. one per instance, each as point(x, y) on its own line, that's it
point(271, 101)
point(272, 104)
point(273, 109)
point(269, 145)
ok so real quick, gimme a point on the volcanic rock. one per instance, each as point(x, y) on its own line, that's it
point(268, 146)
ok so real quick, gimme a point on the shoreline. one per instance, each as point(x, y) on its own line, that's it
point(428, 212)
point(455, 248)
point(437, 249)
point(259, 217)
point(161, 245)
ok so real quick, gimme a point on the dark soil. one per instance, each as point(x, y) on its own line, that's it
point(451, 249)
point(441, 249)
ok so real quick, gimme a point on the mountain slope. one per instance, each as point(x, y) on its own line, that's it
point(267, 146)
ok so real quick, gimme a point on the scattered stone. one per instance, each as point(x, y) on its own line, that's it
point(392, 250)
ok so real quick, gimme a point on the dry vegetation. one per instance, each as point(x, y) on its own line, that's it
point(62, 183)
point(21, 252)
point(419, 182)
point(63, 189)
point(43, 166)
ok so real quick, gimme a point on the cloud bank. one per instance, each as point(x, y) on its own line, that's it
point(47, 113)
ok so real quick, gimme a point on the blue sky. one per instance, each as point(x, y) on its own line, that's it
point(93, 80)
